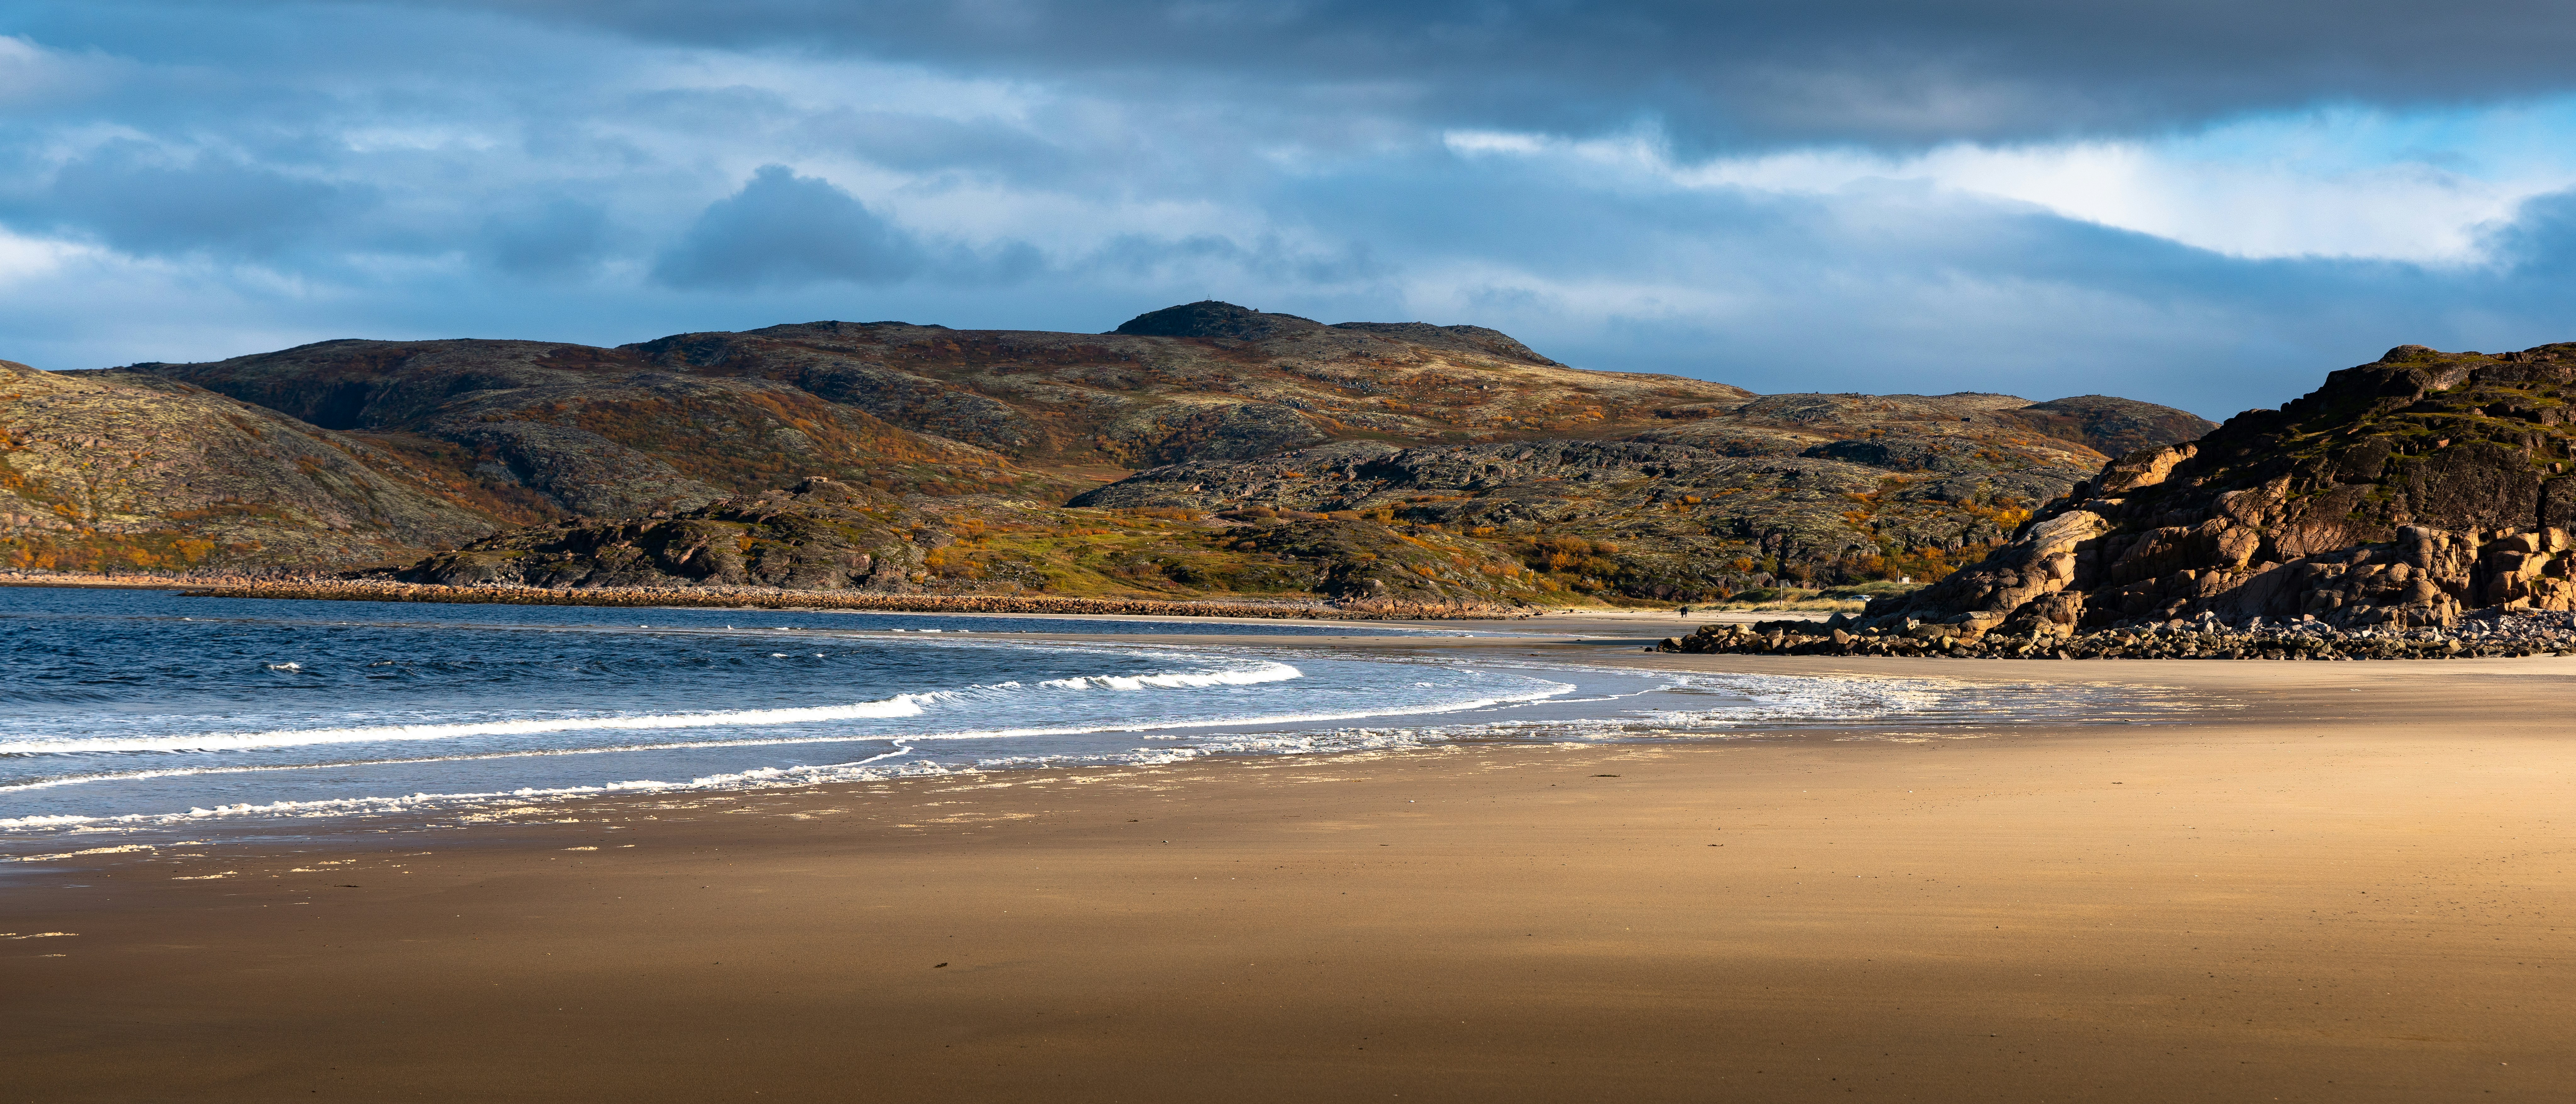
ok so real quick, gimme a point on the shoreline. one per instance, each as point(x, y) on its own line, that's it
point(1558, 655)
point(245, 586)
point(381, 590)
point(1604, 645)
point(2343, 889)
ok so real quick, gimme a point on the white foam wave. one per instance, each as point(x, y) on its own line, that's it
point(1776, 699)
point(344, 806)
point(1177, 680)
point(900, 705)
point(860, 771)
point(1546, 691)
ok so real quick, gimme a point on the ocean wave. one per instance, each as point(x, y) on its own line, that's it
point(1547, 691)
point(900, 705)
point(1178, 680)
point(764, 778)
point(868, 769)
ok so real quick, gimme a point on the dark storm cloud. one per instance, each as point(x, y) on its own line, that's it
point(1733, 70)
point(782, 229)
point(2540, 244)
point(593, 172)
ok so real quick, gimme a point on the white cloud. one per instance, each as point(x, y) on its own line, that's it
point(26, 260)
point(2331, 185)
point(31, 74)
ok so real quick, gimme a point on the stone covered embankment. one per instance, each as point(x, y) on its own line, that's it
point(151, 580)
point(2477, 637)
point(378, 590)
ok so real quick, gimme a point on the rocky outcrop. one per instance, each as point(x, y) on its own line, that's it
point(1656, 520)
point(1212, 319)
point(2402, 494)
point(1947, 434)
point(1173, 432)
point(2112, 426)
point(819, 535)
point(824, 535)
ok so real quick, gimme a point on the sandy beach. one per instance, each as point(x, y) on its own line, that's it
point(2341, 882)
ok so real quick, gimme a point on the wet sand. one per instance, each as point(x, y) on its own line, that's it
point(2352, 887)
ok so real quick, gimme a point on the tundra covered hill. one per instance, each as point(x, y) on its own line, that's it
point(1685, 488)
point(1206, 381)
point(119, 471)
point(2403, 493)
point(576, 430)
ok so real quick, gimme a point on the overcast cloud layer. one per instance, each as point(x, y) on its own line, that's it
point(2193, 203)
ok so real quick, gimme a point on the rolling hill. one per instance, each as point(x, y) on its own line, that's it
point(1537, 478)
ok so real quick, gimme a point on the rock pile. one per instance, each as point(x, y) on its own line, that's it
point(2487, 636)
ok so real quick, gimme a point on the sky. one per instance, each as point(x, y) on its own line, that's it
point(2188, 202)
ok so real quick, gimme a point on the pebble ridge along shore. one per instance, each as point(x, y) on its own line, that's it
point(770, 598)
point(2485, 635)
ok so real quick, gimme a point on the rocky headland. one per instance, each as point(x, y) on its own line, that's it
point(2418, 505)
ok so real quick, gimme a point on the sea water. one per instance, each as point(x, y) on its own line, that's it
point(126, 708)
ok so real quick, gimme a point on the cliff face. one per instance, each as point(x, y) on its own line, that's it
point(117, 471)
point(2402, 492)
